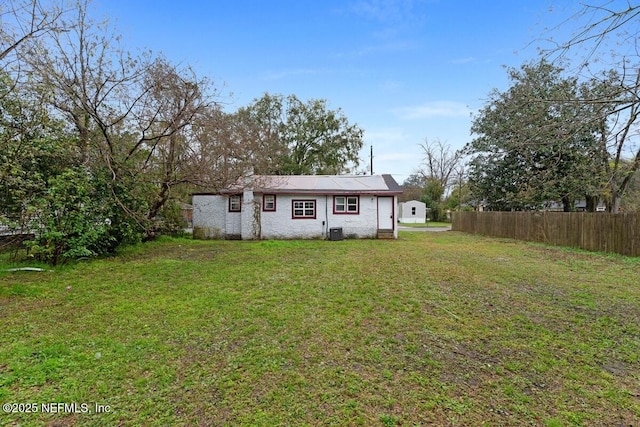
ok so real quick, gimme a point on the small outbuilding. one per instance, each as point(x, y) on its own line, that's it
point(299, 207)
point(412, 212)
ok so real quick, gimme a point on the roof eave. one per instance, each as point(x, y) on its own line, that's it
point(328, 192)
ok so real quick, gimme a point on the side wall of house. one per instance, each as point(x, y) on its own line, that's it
point(212, 219)
point(395, 217)
point(364, 225)
point(280, 224)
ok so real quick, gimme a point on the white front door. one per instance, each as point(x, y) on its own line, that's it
point(385, 213)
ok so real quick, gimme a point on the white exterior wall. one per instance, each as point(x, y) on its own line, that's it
point(212, 219)
point(395, 217)
point(365, 224)
point(281, 224)
point(405, 212)
point(248, 227)
point(233, 221)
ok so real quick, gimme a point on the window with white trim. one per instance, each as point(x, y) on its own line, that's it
point(235, 203)
point(269, 202)
point(303, 209)
point(346, 204)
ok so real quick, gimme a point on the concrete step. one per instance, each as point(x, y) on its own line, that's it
point(385, 234)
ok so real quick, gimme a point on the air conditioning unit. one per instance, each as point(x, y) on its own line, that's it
point(335, 233)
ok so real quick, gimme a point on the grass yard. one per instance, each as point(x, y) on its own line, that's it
point(439, 329)
point(426, 224)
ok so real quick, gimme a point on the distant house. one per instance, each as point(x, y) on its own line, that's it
point(412, 212)
point(299, 207)
point(579, 206)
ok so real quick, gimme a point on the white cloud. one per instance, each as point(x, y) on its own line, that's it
point(446, 109)
point(390, 136)
point(394, 151)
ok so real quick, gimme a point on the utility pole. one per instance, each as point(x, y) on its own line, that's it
point(460, 175)
point(371, 159)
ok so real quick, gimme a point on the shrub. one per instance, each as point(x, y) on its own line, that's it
point(69, 220)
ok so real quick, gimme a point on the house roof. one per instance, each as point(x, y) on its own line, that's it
point(320, 184)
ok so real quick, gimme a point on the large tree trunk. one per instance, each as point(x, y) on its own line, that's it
point(162, 198)
point(616, 204)
point(592, 203)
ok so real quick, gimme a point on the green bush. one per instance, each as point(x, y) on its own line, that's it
point(69, 221)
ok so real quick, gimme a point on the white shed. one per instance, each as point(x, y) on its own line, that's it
point(412, 212)
point(299, 207)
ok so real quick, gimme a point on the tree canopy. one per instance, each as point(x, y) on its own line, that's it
point(567, 127)
point(302, 138)
point(98, 144)
point(604, 49)
point(536, 142)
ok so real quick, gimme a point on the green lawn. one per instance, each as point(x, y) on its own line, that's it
point(426, 224)
point(439, 329)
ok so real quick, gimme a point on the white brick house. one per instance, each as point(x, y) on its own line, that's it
point(299, 207)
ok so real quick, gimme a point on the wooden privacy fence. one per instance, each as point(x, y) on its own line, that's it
point(599, 232)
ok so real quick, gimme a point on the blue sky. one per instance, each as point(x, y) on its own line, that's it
point(403, 70)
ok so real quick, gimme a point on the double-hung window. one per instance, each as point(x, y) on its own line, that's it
point(235, 203)
point(269, 202)
point(303, 209)
point(346, 204)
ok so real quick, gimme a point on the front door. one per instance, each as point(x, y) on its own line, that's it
point(385, 213)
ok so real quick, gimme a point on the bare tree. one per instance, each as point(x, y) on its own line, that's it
point(21, 21)
point(606, 45)
point(601, 25)
point(215, 154)
point(440, 162)
point(22, 24)
point(174, 102)
point(620, 141)
point(230, 146)
point(90, 81)
point(133, 115)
